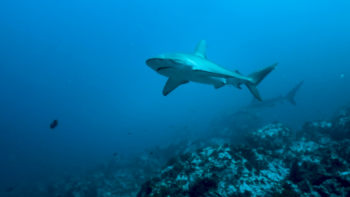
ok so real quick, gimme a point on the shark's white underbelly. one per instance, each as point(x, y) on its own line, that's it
point(208, 80)
point(189, 75)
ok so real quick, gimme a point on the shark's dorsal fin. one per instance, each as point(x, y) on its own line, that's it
point(171, 84)
point(201, 49)
point(238, 72)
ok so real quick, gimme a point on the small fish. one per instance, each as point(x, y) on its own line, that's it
point(151, 153)
point(10, 189)
point(129, 133)
point(172, 126)
point(54, 124)
point(158, 157)
point(115, 154)
point(157, 147)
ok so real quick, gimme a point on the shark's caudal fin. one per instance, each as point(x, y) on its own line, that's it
point(256, 78)
point(291, 94)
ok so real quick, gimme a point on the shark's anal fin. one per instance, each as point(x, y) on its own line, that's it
point(171, 84)
point(238, 85)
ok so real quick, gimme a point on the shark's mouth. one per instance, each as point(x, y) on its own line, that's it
point(162, 68)
point(154, 59)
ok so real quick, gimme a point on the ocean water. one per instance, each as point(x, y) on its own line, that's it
point(83, 63)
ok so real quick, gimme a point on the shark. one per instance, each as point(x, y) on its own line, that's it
point(181, 68)
point(255, 105)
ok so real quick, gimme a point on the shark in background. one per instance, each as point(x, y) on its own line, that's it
point(182, 68)
point(256, 106)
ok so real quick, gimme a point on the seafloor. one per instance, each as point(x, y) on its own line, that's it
point(274, 161)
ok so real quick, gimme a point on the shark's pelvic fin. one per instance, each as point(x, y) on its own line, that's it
point(291, 94)
point(256, 78)
point(171, 84)
point(201, 49)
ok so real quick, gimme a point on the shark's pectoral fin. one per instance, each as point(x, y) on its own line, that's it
point(171, 84)
point(217, 86)
point(205, 73)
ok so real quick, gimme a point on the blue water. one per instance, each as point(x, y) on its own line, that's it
point(83, 63)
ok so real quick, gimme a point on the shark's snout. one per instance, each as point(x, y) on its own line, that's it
point(156, 62)
point(153, 60)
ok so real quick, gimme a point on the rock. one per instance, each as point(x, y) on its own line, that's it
point(271, 137)
point(219, 171)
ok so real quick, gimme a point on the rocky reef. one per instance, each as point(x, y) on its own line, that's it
point(277, 162)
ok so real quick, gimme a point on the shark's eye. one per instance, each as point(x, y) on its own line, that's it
point(176, 61)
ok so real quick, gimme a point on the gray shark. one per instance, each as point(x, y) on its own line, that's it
point(182, 68)
point(268, 103)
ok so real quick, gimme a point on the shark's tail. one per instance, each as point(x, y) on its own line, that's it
point(291, 94)
point(256, 78)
